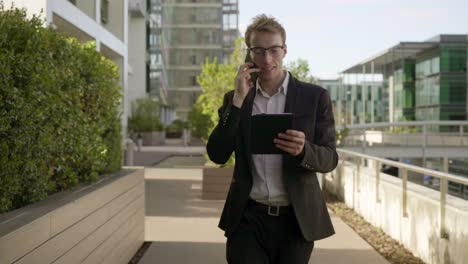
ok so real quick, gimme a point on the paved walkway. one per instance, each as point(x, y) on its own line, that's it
point(183, 227)
point(175, 149)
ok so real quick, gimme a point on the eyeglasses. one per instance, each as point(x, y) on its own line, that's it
point(274, 50)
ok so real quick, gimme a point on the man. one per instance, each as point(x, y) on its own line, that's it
point(274, 210)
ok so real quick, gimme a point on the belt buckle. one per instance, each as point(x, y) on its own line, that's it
point(273, 213)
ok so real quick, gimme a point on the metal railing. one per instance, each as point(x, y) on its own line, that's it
point(413, 133)
point(451, 136)
point(404, 169)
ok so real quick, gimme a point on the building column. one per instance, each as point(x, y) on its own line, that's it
point(372, 93)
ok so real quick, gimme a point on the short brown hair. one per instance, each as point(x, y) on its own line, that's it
point(264, 23)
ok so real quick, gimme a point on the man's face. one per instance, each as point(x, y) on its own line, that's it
point(270, 62)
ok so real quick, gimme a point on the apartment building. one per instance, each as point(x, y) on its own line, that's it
point(182, 34)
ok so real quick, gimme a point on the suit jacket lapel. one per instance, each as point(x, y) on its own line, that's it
point(290, 107)
point(246, 117)
point(291, 95)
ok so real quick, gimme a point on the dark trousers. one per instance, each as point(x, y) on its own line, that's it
point(261, 238)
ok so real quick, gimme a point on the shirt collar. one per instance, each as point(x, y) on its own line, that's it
point(283, 87)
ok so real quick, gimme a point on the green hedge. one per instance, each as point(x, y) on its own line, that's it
point(59, 111)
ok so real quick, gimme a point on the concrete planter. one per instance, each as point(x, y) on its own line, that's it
point(154, 138)
point(99, 223)
point(216, 182)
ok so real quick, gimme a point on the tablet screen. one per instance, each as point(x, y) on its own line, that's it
point(266, 127)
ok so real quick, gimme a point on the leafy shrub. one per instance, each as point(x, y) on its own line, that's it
point(199, 123)
point(145, 116)
point(176, 129)
point(59, 117)
point(215, 80)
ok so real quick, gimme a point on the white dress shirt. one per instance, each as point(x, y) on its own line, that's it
point(268, 186)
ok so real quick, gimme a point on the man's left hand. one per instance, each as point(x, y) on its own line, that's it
point(291, 142)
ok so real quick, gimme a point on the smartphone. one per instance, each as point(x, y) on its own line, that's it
point(253, 75)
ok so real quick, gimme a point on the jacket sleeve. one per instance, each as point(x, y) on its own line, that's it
point(221, 142)
point(321, 155)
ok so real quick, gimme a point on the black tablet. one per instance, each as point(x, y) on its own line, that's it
point(264, 128)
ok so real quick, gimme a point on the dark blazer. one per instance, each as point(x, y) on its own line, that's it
point(313, 115)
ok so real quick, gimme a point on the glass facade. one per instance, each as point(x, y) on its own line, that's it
point(367, 102)
point(423, 81)
point(333, 87)
point(441, 84)
point(404, 91)
point(356, 103)
point(183, 34)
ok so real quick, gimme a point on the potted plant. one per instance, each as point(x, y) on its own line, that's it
point(144, 124)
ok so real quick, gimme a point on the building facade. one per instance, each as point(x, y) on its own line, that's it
point(137, 55)
point(337, 96)
point(441, 83)
point(355, 101)
point(424, 80)
point(182, 34)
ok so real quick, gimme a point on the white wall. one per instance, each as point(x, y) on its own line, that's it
point(88, 7)
point(419, 230)
point(117, 17)
point(136, 58)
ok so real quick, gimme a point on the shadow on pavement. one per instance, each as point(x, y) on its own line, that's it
point(185, 252)
point(178, 198)
point(215, 253)
point(343, 256)
point(149, 159)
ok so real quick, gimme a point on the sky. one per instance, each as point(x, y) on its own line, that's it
point(333, 35)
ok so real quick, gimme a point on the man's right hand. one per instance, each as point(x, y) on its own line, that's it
point(243, 83)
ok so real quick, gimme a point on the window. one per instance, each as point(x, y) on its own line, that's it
point(194, 60)
point(358, 93)
point(194, 80)
point(104, 11)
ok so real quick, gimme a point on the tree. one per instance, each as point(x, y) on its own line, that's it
point(300, 69)
point(199, 124)
point(215, 80)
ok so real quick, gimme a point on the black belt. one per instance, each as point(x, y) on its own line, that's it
point(272, 210)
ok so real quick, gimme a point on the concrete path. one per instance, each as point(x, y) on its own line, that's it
point(183, 227)
point(175, 149)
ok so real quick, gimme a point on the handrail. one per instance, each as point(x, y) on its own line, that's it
point(436, 173)
point(408, 123)
point(444, 178)
point(361, 131)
